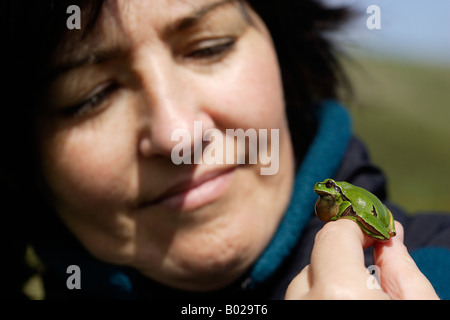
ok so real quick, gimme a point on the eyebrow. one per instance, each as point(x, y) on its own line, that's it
point(104, 55)
point(94, 57)
point(194, 18)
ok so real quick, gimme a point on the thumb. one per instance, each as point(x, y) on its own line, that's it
point(400, 276)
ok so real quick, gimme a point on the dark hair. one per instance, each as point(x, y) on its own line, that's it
point(307, 58)
point(309, 67)
point(31, 31)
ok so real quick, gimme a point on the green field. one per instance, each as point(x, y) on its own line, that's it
point(402, 112)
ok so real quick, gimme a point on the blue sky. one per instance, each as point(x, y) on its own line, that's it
point(411, 29)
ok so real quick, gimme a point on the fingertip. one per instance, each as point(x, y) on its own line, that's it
point(338, 250)
point(393, 253)
point(394, 240)
point(400, 233)
point(401, 278)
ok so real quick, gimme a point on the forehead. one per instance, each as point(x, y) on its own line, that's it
point(132, 14)
point(155, 11)
point(135, 21)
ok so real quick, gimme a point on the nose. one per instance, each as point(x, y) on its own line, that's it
point(169, 103)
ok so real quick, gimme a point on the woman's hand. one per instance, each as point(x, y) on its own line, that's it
point(337, 269)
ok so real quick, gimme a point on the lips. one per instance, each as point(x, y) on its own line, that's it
point(195, 192)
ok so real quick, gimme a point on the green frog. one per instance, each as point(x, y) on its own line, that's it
point(343, 200)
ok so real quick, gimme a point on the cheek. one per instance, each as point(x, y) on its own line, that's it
point(89, 164)
point(251, 93)
point(90, 174)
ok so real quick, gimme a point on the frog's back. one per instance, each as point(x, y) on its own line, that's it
point(363, 201)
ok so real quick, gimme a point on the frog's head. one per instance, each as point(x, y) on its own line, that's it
point(327, 206)
point(328, 189)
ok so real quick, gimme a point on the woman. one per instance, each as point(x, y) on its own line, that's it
point(106, 195)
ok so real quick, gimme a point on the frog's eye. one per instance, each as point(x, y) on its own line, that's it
point(329, 184)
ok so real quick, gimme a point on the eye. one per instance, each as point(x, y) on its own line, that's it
point(211, 49)
point(329, 184)
point(92, 103)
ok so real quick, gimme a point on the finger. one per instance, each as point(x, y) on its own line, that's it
point(400, 277)
point(300, 285)
point(338, 253)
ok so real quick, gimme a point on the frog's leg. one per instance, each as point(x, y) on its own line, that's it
point(374, 225)
point(369, 223)
point(392, 232)
point(344, 209)
point(365, 227)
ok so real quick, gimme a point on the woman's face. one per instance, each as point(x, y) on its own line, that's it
point(150, 68)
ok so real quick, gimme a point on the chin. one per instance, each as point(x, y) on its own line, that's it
point(207, 276)
point(203, 257)
point(200, 270)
